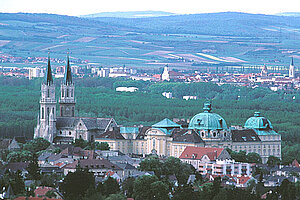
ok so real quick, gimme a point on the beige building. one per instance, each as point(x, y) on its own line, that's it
point(206, 129)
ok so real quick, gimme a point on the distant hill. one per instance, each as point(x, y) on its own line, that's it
point(179, 40)
point(225, 23)
point(291, 14)
point(129, 14)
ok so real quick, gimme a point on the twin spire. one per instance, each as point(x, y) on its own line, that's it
point(48, 77)
point(67, 76)
point(68, 73)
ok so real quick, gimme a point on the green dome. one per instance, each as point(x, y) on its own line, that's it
point(207, 120)
point(258, 122)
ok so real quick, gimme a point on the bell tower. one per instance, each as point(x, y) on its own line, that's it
point(292, 69)
point(67, 98)
point(46, 126)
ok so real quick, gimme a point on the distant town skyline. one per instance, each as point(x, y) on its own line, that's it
point(77, 8)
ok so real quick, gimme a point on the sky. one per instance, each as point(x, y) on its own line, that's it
point(83, 7)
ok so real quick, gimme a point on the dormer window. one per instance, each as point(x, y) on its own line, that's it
point(221, 123)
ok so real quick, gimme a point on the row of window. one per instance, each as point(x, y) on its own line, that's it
point(48, 112)
point(67, 92)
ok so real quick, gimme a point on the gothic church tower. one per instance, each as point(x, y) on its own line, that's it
point(46, 126)
point(292, 69)
point(67, 99)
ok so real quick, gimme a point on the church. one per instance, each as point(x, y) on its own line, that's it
point(165, 138)
point(66, 127)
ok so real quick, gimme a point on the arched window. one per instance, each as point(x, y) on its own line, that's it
point(43, 113)
point(72, 93)
point(70, 133)
point(60, 132)
point(48, 93)
point(224, 134)
point(67, 92)
point(48, 112)
point(214, 134)
point(62, 93)
point(73, 112)
point(53, 111)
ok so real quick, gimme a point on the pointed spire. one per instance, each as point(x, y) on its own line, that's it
point(68, 73)
point(48, 76)
point(292, 61)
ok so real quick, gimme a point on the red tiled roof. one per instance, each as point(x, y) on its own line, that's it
point(41, 191)
point(295, 163)
point(242, 179)
point(198, 152)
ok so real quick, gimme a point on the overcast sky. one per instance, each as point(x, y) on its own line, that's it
point(82, 7)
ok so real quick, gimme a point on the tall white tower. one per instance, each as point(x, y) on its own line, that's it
point(292, 69)
point(165, 75)
point(46, 125)
point(67, 98)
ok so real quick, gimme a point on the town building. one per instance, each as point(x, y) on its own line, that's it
point(215, 161)
point(165, 138)
point(206, 129)
point(66, 127)
point(168, 75)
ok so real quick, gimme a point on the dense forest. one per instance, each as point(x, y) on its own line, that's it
point(96, 97)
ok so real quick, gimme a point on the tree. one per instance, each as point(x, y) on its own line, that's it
point(16, 181)
point(217, 184)
point(50, 180)
point(141, 188)
point(239, 156)
point(287, 190)
point(81, 143)
point(152, 164)
point(92, 194)
point(181, 170)
point(110, 186)
point(50, 194)
point(36, 145)
point(127, 186)
point(76, 184)
point(253, 158)
point(102, 146)
point(185, 192)
point(33, 168)
point(159, 190)
point(116, 197)
point(272, 161)
point(19, 156)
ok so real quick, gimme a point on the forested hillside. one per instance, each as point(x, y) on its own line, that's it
point(19, 105)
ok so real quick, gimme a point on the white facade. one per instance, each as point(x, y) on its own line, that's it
point(165, 75)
